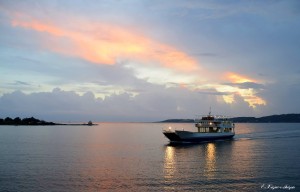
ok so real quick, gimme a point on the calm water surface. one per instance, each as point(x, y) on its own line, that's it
point(137, 157)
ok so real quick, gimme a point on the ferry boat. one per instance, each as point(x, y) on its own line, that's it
point(209, 128)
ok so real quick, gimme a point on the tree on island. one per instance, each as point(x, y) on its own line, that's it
point(34, 121)
point(17, 120)
point(25, 121)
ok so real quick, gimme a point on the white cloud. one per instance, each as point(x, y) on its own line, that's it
point(250, 38)
point(152, 105)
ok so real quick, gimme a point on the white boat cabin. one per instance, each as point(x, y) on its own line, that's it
point(214, 124)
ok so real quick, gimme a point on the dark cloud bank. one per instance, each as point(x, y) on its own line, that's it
point(155, 105)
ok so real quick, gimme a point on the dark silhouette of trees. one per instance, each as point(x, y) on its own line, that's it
point(8, 121)
point(18, 120)
point(25, 121)
point(33, 121)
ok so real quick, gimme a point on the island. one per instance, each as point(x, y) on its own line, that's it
point(33, 121)
point(283, 118)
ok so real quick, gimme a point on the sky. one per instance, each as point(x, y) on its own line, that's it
point(141, 61)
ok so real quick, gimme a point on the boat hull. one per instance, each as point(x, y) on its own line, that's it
point(191, 137)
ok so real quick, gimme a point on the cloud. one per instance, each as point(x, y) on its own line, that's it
point(21, 83)
point(128, 61)
point(246, 85)
point(212, 92)
point(104, 43)
point(283, 97)
point(156, 104)
point(238, 78)
point(208, 10)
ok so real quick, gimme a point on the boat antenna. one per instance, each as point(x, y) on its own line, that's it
point(209, 110)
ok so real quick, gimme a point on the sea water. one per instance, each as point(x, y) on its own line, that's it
point(137, 157)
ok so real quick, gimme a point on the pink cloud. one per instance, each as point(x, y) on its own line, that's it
point(104, 43)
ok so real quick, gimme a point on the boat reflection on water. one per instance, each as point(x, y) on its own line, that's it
point(169, 167)
point(210, 160)
point(195, 163)
point(169, 164)
point(205, 154)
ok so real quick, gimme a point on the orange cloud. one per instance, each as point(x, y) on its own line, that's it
point(254, 100)
point(237, 78)
point(106, 44)
point(39, 27)
point(249, 95)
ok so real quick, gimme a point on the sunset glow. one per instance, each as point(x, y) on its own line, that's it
point(104, 43)
point(249, 95)
point(107, 44)
point(237, 78)
point(148, 60)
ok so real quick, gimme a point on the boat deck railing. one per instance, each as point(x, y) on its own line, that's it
point(200, 118)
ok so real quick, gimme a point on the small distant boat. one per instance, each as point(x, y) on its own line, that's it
point(209, 128)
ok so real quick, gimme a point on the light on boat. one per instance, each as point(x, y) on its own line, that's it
point(210, 123)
